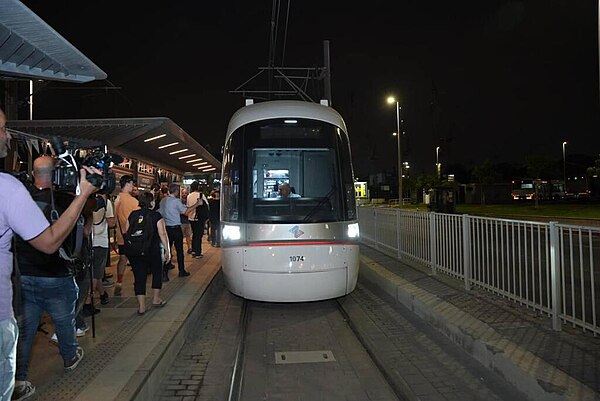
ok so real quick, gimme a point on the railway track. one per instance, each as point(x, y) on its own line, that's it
point(358, 347)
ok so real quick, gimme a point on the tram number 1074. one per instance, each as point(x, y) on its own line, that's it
point(297, 258)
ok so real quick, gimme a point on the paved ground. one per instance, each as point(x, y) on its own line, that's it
point(207, 357)
point(506, 337)
point(414, 319)
point(124, 341)
point(422, 362)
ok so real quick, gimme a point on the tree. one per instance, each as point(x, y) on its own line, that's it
point(484, 174)
point(541, 167)
point(594, 171)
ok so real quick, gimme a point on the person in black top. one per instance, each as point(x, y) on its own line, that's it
point(214, 204)
point(47, 283)
point(153, 262)
point(155, 191)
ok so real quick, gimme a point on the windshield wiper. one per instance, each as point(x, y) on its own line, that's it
point(326, 198)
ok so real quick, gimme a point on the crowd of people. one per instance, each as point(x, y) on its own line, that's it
point(55, 247)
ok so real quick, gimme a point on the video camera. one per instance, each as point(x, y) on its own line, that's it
point(70, 160)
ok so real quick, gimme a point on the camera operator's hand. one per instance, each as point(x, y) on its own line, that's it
point(85, 186)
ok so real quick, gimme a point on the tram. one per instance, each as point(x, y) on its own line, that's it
point(288, 211)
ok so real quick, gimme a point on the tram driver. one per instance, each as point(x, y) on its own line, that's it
point(285, 192)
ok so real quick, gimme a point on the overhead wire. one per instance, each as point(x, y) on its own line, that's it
point(287, 18)
point(271, 45)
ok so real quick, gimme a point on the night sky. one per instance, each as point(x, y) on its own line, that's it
point(495, 80)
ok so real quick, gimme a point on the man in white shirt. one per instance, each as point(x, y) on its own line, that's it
point(104, 219)
point(197, 217)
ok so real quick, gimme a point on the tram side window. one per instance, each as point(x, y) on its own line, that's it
point(347, 176)
point(231, 181)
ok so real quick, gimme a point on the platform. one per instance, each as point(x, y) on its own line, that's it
point(128, 349)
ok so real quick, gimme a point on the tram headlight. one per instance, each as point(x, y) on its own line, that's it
point(231, 233)
point(353, 230)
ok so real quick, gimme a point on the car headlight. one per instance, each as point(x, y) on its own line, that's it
point(353, 230)
point(231, 233)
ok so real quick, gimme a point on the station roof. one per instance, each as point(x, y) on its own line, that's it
point(155, 140)
point(30, 48)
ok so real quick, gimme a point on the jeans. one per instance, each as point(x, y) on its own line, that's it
point(9, 333)
point(57, 296)
point(176, 237)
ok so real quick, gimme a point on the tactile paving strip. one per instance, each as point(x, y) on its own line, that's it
point(69, 385)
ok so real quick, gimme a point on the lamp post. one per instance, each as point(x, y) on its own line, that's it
point(392, 100)
point(437, 161)
point(564, 146)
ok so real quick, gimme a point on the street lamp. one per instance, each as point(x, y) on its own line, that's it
point(392, 100)
point(565, 166)
point(437, 161)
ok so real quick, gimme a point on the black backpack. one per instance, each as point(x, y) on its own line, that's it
point(138, 237)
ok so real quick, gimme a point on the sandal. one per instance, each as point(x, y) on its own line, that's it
point(139, 312)
point(160, 304)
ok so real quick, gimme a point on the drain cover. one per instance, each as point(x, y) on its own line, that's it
point(303, 357)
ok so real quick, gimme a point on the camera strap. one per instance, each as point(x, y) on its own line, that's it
point(78, 231)
point(103, 217)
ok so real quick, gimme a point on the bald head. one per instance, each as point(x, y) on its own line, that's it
point(43, 167)
point(284, 189)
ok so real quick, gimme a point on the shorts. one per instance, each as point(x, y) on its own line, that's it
point(186, 229)
point(99, 262)
point(121, 250)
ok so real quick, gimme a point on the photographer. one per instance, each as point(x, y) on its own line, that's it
point(19, 214)
point(47, 282)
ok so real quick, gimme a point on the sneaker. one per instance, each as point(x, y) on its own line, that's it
point(106, 283)
point(72, 364)
point(54, 339)
point(104, 298)
point(199, 256)
point(184, 274)
point(81, 331)
point(23, 391)
point(117, 292)
point(189, 251)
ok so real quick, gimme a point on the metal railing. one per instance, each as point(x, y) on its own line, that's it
point(549, 267)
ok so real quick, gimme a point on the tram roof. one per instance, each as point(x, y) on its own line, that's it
point(138, 138)
point(285, 108)
point(30, 48)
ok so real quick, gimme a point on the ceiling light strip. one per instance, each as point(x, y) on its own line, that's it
point(195, 160)
point(187, 156)
point(178, 151)
point(155, 137)
point(167, 145)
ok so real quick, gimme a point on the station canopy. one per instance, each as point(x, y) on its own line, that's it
point(155, 140)
point(30, 48)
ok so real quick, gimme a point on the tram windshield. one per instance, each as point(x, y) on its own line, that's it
point(290, 171)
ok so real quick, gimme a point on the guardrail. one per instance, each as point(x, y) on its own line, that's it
point(549, 267)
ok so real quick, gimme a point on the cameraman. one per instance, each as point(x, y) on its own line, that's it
point(47, 283)
point(19, 214)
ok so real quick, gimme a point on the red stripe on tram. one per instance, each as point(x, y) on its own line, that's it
point(299, 243)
